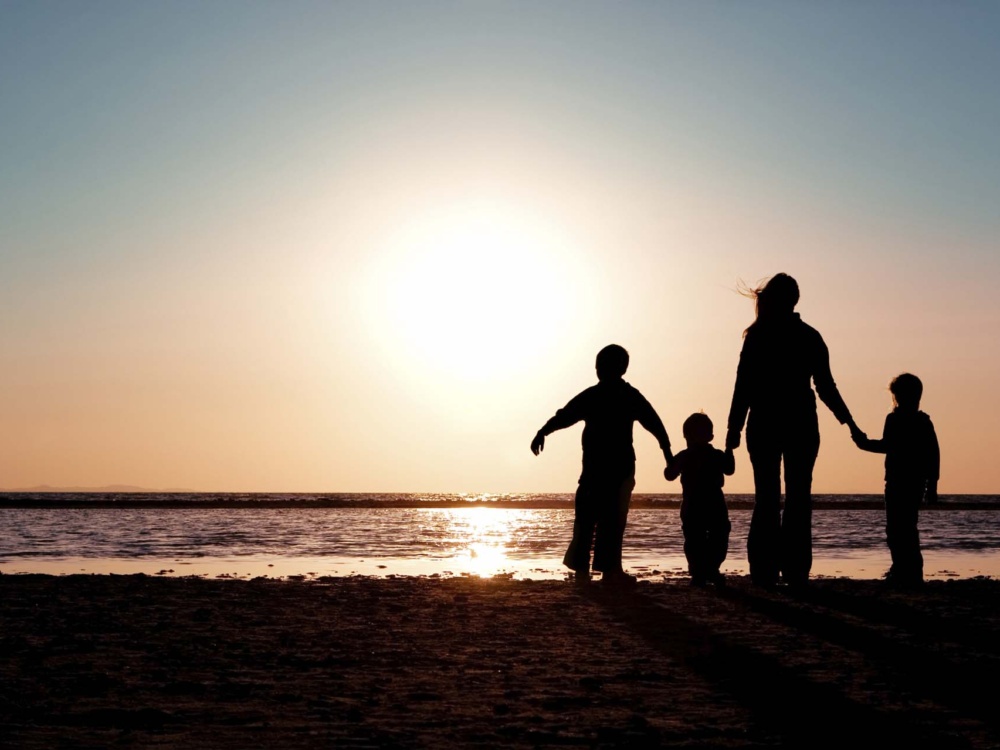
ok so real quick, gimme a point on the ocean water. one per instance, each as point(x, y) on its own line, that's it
point(520, 536)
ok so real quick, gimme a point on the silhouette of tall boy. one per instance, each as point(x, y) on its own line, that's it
point(912, 465)
point(608, 411)
point(704, 517)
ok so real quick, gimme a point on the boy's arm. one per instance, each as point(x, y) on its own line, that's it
point(568, 416)
point(865, 443)
point(934, 466)
point(650, 420)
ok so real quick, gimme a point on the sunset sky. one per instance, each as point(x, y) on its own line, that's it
point(372, 247)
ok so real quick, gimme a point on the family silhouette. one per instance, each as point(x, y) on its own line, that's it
point(781, 361)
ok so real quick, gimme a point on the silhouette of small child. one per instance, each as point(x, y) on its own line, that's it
point(608, 411)
point(912, 466)
point(704, 516)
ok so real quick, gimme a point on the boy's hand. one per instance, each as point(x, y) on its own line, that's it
point(732, 439)
point(538, 444)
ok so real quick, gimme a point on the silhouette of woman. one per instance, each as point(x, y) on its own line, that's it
point(781, 358)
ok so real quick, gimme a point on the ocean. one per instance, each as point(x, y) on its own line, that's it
point(311, 536)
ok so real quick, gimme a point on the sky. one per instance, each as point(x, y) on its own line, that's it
point(372, 247)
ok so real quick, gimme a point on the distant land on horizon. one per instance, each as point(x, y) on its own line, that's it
point(106, 488)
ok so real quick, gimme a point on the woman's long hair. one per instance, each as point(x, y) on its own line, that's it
point(773, 298)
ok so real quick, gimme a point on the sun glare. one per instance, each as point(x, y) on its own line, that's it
point(487, 533)
point(477, 292)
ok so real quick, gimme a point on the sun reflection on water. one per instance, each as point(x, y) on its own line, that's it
point(482, 537)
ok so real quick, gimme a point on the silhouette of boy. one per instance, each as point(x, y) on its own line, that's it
point(608, 411)
point(912, 466)
point(704, 517)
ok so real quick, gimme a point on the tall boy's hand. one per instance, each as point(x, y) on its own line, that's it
point(538, 444)
point(732, 439)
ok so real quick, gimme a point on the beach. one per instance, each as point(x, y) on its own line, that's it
point(362, 662)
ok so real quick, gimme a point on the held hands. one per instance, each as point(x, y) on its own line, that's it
point(538, 444)
point(673, 469)
point(857, 435)
point(732, 439)
point(668, 457)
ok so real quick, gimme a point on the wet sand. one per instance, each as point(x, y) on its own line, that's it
point(143, 662)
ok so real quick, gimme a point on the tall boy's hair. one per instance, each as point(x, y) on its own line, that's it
point(698, 421)
point(906, 389)
point(612, 361)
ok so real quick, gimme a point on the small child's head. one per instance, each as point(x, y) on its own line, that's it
point(698, 429)
point(906, 390)
point(612, 362)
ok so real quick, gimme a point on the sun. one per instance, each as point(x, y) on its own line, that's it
point(478, 291)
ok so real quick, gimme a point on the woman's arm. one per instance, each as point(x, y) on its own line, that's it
point(826, 388)
point(745, 372)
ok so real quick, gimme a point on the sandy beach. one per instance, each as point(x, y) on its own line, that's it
point(139, 661)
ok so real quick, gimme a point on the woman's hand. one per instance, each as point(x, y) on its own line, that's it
point(732, 439)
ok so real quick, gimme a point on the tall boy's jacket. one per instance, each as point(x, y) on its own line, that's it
point(609, 409)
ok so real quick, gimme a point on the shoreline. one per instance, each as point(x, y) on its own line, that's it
point(137, 661)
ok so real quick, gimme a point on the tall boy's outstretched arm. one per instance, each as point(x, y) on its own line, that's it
point(568, 416)
point(650, 420)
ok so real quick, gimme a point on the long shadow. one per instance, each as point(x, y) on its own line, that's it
point(784, 702)
point(921, 656)
point(941, 624)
